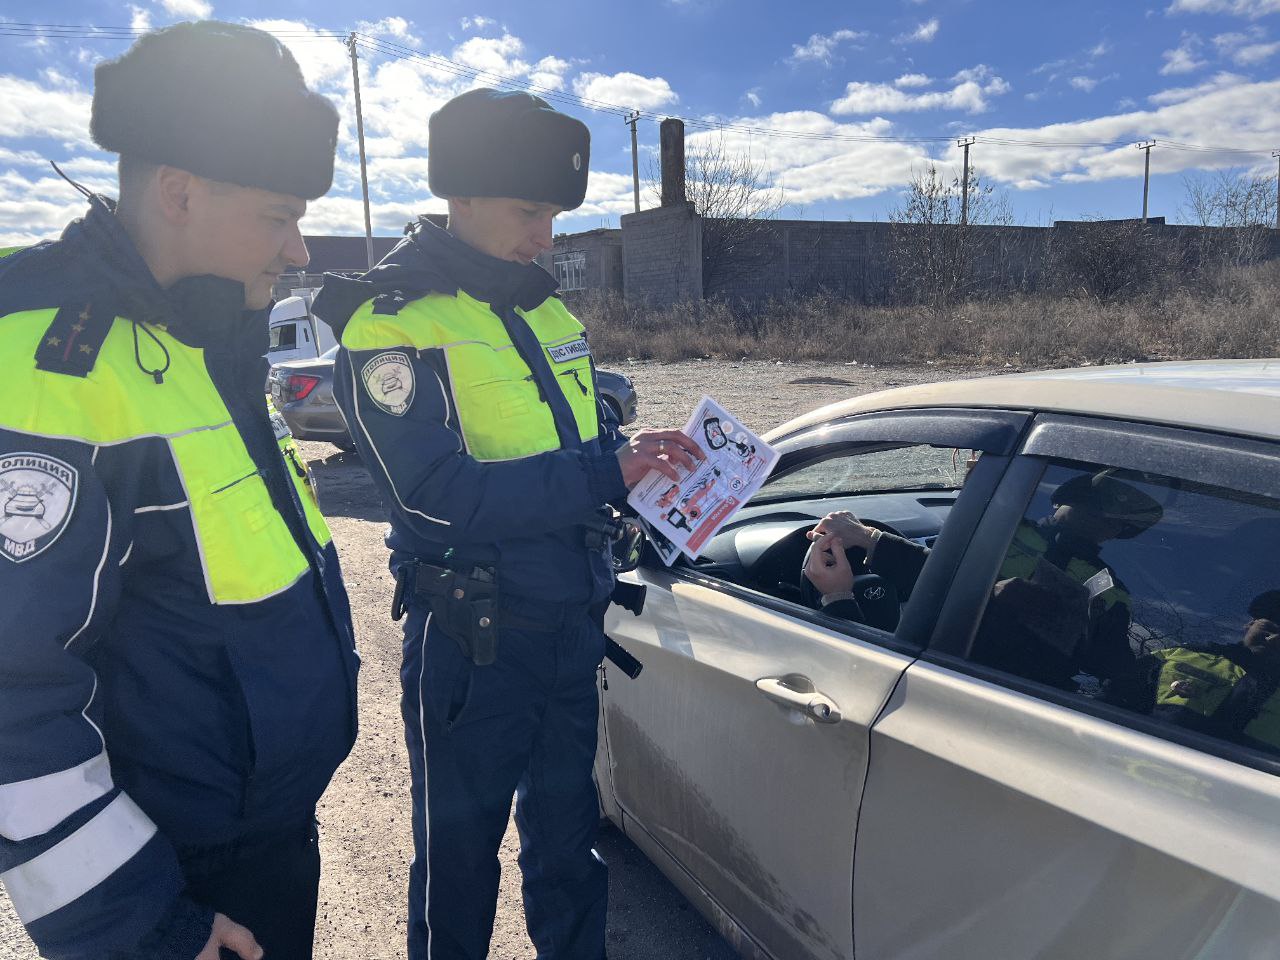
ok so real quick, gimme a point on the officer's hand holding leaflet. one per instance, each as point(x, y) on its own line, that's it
point(661, 450)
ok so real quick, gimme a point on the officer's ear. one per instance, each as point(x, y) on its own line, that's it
point(461, 208)
point(173, 194)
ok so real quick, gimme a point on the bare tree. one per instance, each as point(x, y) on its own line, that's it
point(736, 197)
point(1242, 202)
point(935, 258)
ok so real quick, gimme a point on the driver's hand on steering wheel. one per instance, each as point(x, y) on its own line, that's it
point(846, 526)
point(827, 567)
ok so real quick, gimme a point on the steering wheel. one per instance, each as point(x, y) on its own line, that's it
point(876, 597)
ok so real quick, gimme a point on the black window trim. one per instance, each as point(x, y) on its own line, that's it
point(913, 631)
point(992, 431)
point(1056, 437)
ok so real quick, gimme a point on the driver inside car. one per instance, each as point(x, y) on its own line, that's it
point(1058, 614)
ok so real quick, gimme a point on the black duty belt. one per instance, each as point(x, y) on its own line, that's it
point(467, 606)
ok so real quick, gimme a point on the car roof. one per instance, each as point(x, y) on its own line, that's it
point(1228, 396)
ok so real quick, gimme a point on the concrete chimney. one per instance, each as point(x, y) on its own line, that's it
point(672, 139)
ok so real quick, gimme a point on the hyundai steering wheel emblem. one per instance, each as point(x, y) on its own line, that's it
point(873, 593)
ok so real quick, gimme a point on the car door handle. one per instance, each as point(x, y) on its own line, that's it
point(798, 692)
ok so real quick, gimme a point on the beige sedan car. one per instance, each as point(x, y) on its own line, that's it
point(1060, 739)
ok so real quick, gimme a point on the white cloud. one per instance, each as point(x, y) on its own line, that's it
point(819, 48)
point(913, 80)
point(494, 55)
point(923, 33)
point(30, 109)
point(1209, 114)
point(1246, 49)
point(397, 27)
point(625, 89)
point(1102, 48)
point(323, 59)
point(1240, 8)
point(139, 18)
point(188, 9)
point(1182, 58)
point(549, 73)
point(972, 88)
point(1181, 94)
point(1084, 83)
point(752, 96)
point(476, 23)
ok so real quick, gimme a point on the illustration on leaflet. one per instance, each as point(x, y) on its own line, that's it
point(683, 517)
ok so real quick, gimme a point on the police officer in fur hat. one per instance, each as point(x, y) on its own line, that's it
point(178, 680)
point(470, 391)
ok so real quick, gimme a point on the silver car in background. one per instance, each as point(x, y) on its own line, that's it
point(958, 783)
point(302, 391)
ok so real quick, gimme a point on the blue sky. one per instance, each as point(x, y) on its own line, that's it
point(1200, 72)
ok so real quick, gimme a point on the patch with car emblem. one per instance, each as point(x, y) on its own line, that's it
point(37, 496)
point(388, 379)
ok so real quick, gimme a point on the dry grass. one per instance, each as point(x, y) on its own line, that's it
point(1236, 315)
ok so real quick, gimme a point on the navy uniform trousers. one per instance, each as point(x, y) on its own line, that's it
point(523, 725)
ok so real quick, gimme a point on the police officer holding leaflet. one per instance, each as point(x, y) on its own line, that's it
point(470, 393)
point(178, 680)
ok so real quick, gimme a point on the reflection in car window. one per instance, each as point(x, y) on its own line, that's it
point(283, 337)
point(1148, 592)
point(919, 467)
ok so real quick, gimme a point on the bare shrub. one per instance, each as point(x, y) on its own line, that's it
point(1021, 330)
point(737, 198)
point(935, 258)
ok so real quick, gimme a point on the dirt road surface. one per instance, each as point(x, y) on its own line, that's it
point(364, 816)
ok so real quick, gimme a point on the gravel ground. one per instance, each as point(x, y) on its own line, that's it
point(365, 833)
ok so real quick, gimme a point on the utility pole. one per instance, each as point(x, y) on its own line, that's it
point(1146, 175)
point(632, 118)
point(364, 172)
point(966, 143)
point(1275, 155)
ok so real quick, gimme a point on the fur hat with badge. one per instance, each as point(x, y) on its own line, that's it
point(491, 143)
point(219, 100)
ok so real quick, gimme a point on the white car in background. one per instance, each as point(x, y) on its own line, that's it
point(823, 789)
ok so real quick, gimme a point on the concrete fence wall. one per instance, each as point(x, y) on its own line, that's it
point(662, 255)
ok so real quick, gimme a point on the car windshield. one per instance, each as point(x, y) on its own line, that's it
point(919, 467)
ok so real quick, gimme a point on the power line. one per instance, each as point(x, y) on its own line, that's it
point(391, 49)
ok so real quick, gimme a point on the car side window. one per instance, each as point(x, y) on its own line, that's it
point(1148, 592)
point(904, 491)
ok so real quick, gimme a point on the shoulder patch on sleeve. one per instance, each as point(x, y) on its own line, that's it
point(388, 379)
point(37, 497)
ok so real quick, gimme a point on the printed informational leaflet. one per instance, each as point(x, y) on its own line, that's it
point(683, 517)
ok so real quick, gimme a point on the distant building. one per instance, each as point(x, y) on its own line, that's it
point(344, 255)
point(586, 261)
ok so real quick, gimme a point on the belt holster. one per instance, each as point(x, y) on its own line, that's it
point(464, 603)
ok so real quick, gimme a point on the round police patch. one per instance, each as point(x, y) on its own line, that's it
point(388, 379)
point(37, 496)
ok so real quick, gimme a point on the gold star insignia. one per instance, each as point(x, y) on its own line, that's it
point(54, 342)
point(85, 348)
point(84, 315)
point(78, 327)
